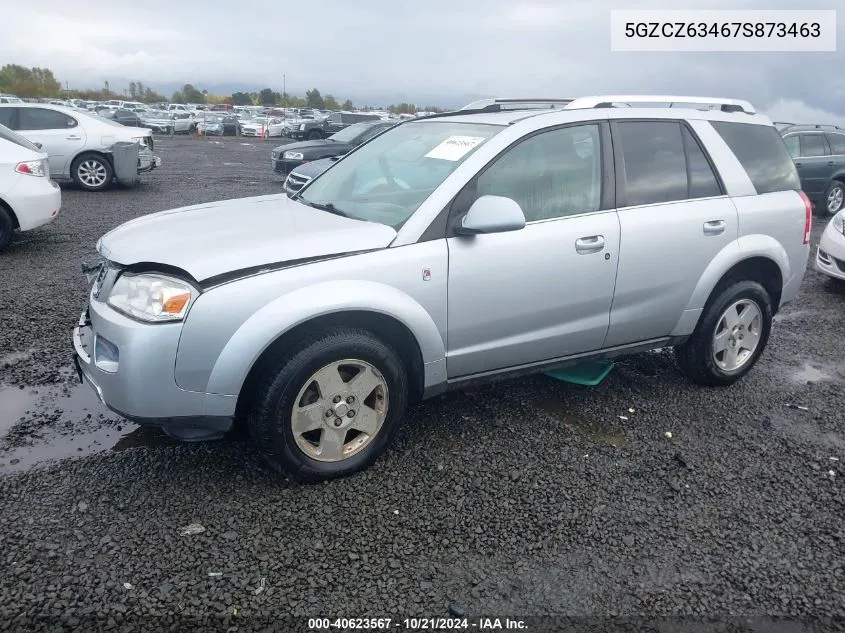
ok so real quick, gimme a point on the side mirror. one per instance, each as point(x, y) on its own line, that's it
point(492, 214)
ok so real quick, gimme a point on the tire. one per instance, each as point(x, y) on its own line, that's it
point(171, 131)
point(696, 356)
point(7, 226)
point(92, 172)
point(284, 384)
point(192, 129)
point(314, 135)
point(833, 200)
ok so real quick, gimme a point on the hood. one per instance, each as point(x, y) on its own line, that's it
point(306, 145)
point(219, 238)
point(313, 168)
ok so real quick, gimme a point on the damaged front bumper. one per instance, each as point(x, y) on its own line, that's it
point(129, 365)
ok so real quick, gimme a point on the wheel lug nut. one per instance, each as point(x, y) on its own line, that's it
point(350, 414)
point(350, 399)
point(336, 399)
point(338, 422)
point(328, 414)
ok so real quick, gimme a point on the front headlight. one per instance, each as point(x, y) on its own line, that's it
point(839, 221)
point(151, 297)
point(293, 155)
point(302, 127)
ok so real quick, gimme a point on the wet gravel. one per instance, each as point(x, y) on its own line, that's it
point(644, 496)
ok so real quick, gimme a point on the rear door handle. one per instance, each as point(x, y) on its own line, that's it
point(73, 138)
point(714, 227)
point(591, 244)
point(831, 163)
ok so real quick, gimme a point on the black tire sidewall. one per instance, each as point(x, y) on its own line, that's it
point(7, 227)
point(713, 312)
point(104, 161)
point(278, 399)
point(827, 192)
point(314, 136)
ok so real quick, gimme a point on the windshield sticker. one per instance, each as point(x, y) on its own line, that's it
point(455, 147)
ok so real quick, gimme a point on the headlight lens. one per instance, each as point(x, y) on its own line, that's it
point(153, 298)
point(293, 155)
point(839, 221)
point(301, 127)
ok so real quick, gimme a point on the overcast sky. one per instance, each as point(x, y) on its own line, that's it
point(398, 50)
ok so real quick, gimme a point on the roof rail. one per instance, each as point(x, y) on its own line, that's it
point(608, 101)
point(498, 105)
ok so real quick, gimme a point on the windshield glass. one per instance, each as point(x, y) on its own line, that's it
point(348, 134)
point(387, 179)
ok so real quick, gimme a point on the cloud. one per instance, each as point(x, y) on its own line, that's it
point(439, 50)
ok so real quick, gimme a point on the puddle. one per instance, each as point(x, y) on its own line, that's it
point(598, 432)
point(808, 373)
point(41, 424)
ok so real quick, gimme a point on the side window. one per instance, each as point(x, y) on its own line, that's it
point(837, 144)
point(43, 119)
point(654, 160)
point(7, 116)
point(702, 181)
point(550, 175)
point(793, 145)
point(813, 145)
point(761, 151)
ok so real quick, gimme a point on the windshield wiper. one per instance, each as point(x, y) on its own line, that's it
point(328, 206)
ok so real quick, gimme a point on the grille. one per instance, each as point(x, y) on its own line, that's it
point(840, 264)
point(295, 182)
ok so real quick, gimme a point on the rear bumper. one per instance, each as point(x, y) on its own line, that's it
point(140, 385)
point(35, 201)
point(830, 256)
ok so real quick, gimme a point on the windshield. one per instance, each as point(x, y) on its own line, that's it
point(350, 133)
point(387, 179)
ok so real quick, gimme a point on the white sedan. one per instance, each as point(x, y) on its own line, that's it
point(830, 258)
point(28, 198)
point(275, 127)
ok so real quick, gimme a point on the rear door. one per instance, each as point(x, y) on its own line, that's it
point(814, 164)
point(674, 218)
point(59, 134)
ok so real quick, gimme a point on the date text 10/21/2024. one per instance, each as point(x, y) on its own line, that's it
point(416, 624)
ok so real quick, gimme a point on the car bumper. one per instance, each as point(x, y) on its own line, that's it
point(830, 256)
point(140, 385)
point(285, 166)
point(147, 161)
point(35, 201)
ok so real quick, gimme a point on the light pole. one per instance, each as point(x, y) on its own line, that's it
point(284, 97)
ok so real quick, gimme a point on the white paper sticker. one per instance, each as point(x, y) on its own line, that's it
point(455, 147)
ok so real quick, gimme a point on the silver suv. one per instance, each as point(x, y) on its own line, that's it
point(506, 238)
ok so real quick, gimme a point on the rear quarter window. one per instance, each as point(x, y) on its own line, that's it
point(762, 153)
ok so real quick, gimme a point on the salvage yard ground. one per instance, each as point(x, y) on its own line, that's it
point(644, 495)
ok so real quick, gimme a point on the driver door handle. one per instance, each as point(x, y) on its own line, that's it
point(591, 244)
point(714, 227)
point(73, 137)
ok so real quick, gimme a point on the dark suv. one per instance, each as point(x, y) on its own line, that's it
point(314, 129)
point(819, 155)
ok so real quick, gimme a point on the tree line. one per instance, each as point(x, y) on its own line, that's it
point(41, 83)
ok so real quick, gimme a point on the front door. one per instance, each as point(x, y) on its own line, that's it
point(545, 291)
point(59, 134)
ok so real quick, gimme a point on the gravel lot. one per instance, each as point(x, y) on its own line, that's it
point(527, 498)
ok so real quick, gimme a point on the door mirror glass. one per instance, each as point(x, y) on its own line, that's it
point(492, 214)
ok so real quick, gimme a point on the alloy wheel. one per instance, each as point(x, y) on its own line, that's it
point(737, 335)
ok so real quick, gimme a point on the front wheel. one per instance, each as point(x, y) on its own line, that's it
point(92, 172)
point(329, 406)
point(314, 135)
point(730, 336)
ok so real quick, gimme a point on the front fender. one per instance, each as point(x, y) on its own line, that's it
point(266, 325)
point(741, 249)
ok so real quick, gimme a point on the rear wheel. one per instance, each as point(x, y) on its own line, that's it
point(329, 406)
point(7, 227)
point(730, 336)
point(834, 198)
point(314, 135)
point(92, 172)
